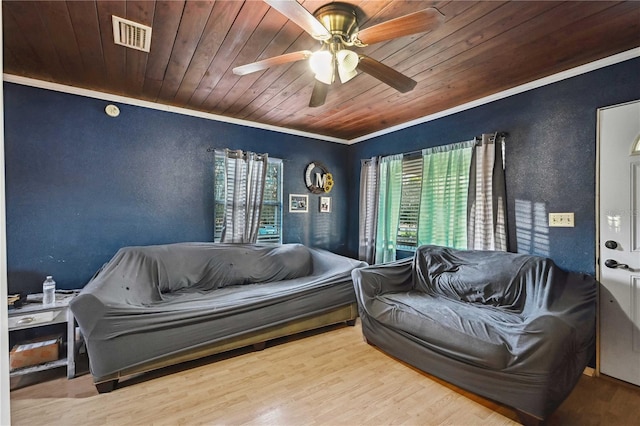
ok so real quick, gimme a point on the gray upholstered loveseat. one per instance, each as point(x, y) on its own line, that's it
point(154, 306)
point(511, 327)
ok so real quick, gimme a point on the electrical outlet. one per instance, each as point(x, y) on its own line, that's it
point(561, 219)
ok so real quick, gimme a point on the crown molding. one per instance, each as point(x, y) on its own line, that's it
point(47, 85)
point(573, 72)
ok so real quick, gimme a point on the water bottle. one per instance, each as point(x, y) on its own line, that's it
point(49, 291)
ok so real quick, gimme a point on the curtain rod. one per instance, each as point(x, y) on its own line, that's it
point(498, 134)
point(234, 152)
point(477, 139)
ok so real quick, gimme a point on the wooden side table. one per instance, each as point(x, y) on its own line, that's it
point(35, 314)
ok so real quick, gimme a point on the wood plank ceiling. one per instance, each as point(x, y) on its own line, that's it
point(482, 48)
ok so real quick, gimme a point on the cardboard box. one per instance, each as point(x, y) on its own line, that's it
point(34, 353)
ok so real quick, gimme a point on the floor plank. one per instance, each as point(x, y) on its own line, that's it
point(328, 378)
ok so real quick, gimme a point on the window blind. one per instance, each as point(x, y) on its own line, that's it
point(271, 215)
point(220, 194)
point(410, 201)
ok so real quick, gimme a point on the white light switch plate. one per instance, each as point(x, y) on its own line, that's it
point(561, 219)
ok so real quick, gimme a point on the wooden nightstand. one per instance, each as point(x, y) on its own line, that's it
point(35, 314)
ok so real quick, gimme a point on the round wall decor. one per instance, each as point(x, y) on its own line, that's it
point(317, 178)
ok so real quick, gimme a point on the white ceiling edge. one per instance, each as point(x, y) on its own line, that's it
point(583, 69)
point(41, 84)
point(601, 63)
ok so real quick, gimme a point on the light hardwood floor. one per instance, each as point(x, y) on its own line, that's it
point(328, 378)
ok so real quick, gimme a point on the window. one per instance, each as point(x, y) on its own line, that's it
point(450, 195)
point(433, 203)
point(445, 190)
point(270, 230)
point(271, 216)
point(219, 189)
point(433, 185)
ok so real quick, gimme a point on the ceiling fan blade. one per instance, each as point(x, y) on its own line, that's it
point(301, 16)
point(319, 94)
point(413, 23)
point(267, 63)
point(386, 74)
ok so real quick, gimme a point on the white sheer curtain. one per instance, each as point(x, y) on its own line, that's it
point(487, 206)
point(245, 174)
point(368, 210)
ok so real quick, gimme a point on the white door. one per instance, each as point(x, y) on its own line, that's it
point(619, 244)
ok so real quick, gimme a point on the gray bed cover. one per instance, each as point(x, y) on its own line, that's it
point(154, 301)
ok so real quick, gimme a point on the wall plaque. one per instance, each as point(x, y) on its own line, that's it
point(317, 178)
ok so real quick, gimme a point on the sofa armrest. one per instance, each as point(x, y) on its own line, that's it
point(371, 281)
point(550, 344)
point(88, 310)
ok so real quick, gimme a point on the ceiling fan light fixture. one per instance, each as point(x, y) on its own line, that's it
point(346, 75)
point(347, 64)
point(326, 78)
point(321, 63)
point(336, 26)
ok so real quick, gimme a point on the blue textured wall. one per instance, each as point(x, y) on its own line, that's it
point(550, 154)
point(80, 184)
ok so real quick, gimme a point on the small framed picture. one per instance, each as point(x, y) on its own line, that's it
point(325, 204)
point(298, 203)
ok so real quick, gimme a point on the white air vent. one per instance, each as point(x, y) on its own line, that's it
point(131, 34)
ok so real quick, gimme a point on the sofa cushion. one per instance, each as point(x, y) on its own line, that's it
point(479, 277)
point(472, 334)
point(284, 262)
point(251, 264)
point(203, 267)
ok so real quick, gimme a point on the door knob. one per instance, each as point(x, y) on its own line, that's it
point(610, 244)
point(611, 263)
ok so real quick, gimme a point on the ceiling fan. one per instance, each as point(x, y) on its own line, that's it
point(335, 25)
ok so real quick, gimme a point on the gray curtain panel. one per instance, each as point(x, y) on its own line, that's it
point(368, 210)
point(487, 204)
point(245, 174)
